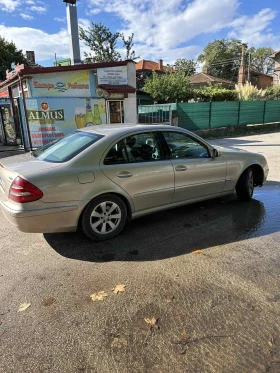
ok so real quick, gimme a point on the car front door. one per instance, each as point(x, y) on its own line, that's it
point(138, 164)
point(197, 174)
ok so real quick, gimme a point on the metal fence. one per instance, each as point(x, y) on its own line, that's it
point(159, 113)
point(207, 115)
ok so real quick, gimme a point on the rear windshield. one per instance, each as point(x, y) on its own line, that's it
point(66, 148)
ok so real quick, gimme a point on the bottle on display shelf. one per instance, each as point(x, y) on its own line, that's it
point(96, 117)
point(89, 115)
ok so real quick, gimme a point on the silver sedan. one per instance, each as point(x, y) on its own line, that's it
point(99, 177)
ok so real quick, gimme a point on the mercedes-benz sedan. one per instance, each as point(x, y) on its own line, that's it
point(99, 177)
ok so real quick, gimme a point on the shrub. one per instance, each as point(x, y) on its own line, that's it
point(273, 93)
point(248, 92)
point(215, 93)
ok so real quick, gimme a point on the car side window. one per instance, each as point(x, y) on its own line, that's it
point(142, 147)
point(181, 145)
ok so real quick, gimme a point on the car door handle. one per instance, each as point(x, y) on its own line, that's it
point(124, 174)
point(181, 167)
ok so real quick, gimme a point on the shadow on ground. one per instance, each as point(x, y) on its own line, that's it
point(181, 230)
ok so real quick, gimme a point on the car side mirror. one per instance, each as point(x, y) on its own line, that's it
point(216, 153)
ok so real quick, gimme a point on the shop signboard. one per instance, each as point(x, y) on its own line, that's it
point(8, 124)
point(116, 75)
point(52, 118)
point(4, 93)
point(65, 84)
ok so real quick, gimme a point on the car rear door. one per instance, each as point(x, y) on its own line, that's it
point(137, 164)
point(197, 174)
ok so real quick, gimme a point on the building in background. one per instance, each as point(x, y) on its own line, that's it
point(65, 62)
point(50, 102)
point(276, 75)
point(203, 79)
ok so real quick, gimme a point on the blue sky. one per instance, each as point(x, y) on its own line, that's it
point(166, 29)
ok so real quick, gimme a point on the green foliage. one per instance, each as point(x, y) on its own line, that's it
point(273, 93)
point(260, 59)
point(215, 93)
point(168, 87)
point(187, 66)
point(8, 54)
point(103, 43)
point(128, 44)
point(248, 92)
point(222, 57)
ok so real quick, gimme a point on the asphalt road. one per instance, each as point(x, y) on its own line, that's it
point(209, 273)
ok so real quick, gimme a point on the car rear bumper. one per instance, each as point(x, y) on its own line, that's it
point(49, 220)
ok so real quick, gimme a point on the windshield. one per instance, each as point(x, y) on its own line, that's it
point(66, 148)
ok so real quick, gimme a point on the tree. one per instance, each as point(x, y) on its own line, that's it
point(9, 54)
point(103, 43)
point(222, 57)
point(260, 59)
point(128, 44)
point(187, 66)
point(168, 87)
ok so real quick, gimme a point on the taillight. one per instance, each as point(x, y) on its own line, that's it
point(22, 191)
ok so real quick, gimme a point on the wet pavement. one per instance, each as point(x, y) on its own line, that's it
point(209, 273)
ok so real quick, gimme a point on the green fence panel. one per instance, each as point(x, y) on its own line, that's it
point(193, 116)
point(272, 111)
point(251, 112)
point(224, 114)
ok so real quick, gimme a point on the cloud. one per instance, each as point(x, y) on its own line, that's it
point(163, 27)
point(60, 19)
point(30, 2)
point(94, 11)
point(26, 16)
point(255, 30)
point(38, 9)
point(168, 23)
point(9, 5)
point(45, 45)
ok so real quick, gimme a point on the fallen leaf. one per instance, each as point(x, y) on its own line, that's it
point(197, 252)
point(119, 342)
point(24, 307)
point(169, 298)
point(119, 289)
point(98, 296)
point(48, 301)
point(153, 322)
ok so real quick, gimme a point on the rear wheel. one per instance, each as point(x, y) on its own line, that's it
point(245, 185)
point(104, 217)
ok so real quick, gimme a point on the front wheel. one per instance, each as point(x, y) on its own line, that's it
point(104, 217)
point(245, 185)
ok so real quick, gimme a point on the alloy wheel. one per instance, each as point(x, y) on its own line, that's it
point(105, 217)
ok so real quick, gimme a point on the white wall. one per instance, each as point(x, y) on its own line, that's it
point(130, 110)
point(130, 104)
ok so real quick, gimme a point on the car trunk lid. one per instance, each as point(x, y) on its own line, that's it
point(23, 165)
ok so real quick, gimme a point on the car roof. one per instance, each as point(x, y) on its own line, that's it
point(122, 128)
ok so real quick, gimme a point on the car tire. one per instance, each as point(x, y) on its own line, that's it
point(245, 185)
point(104, 217)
